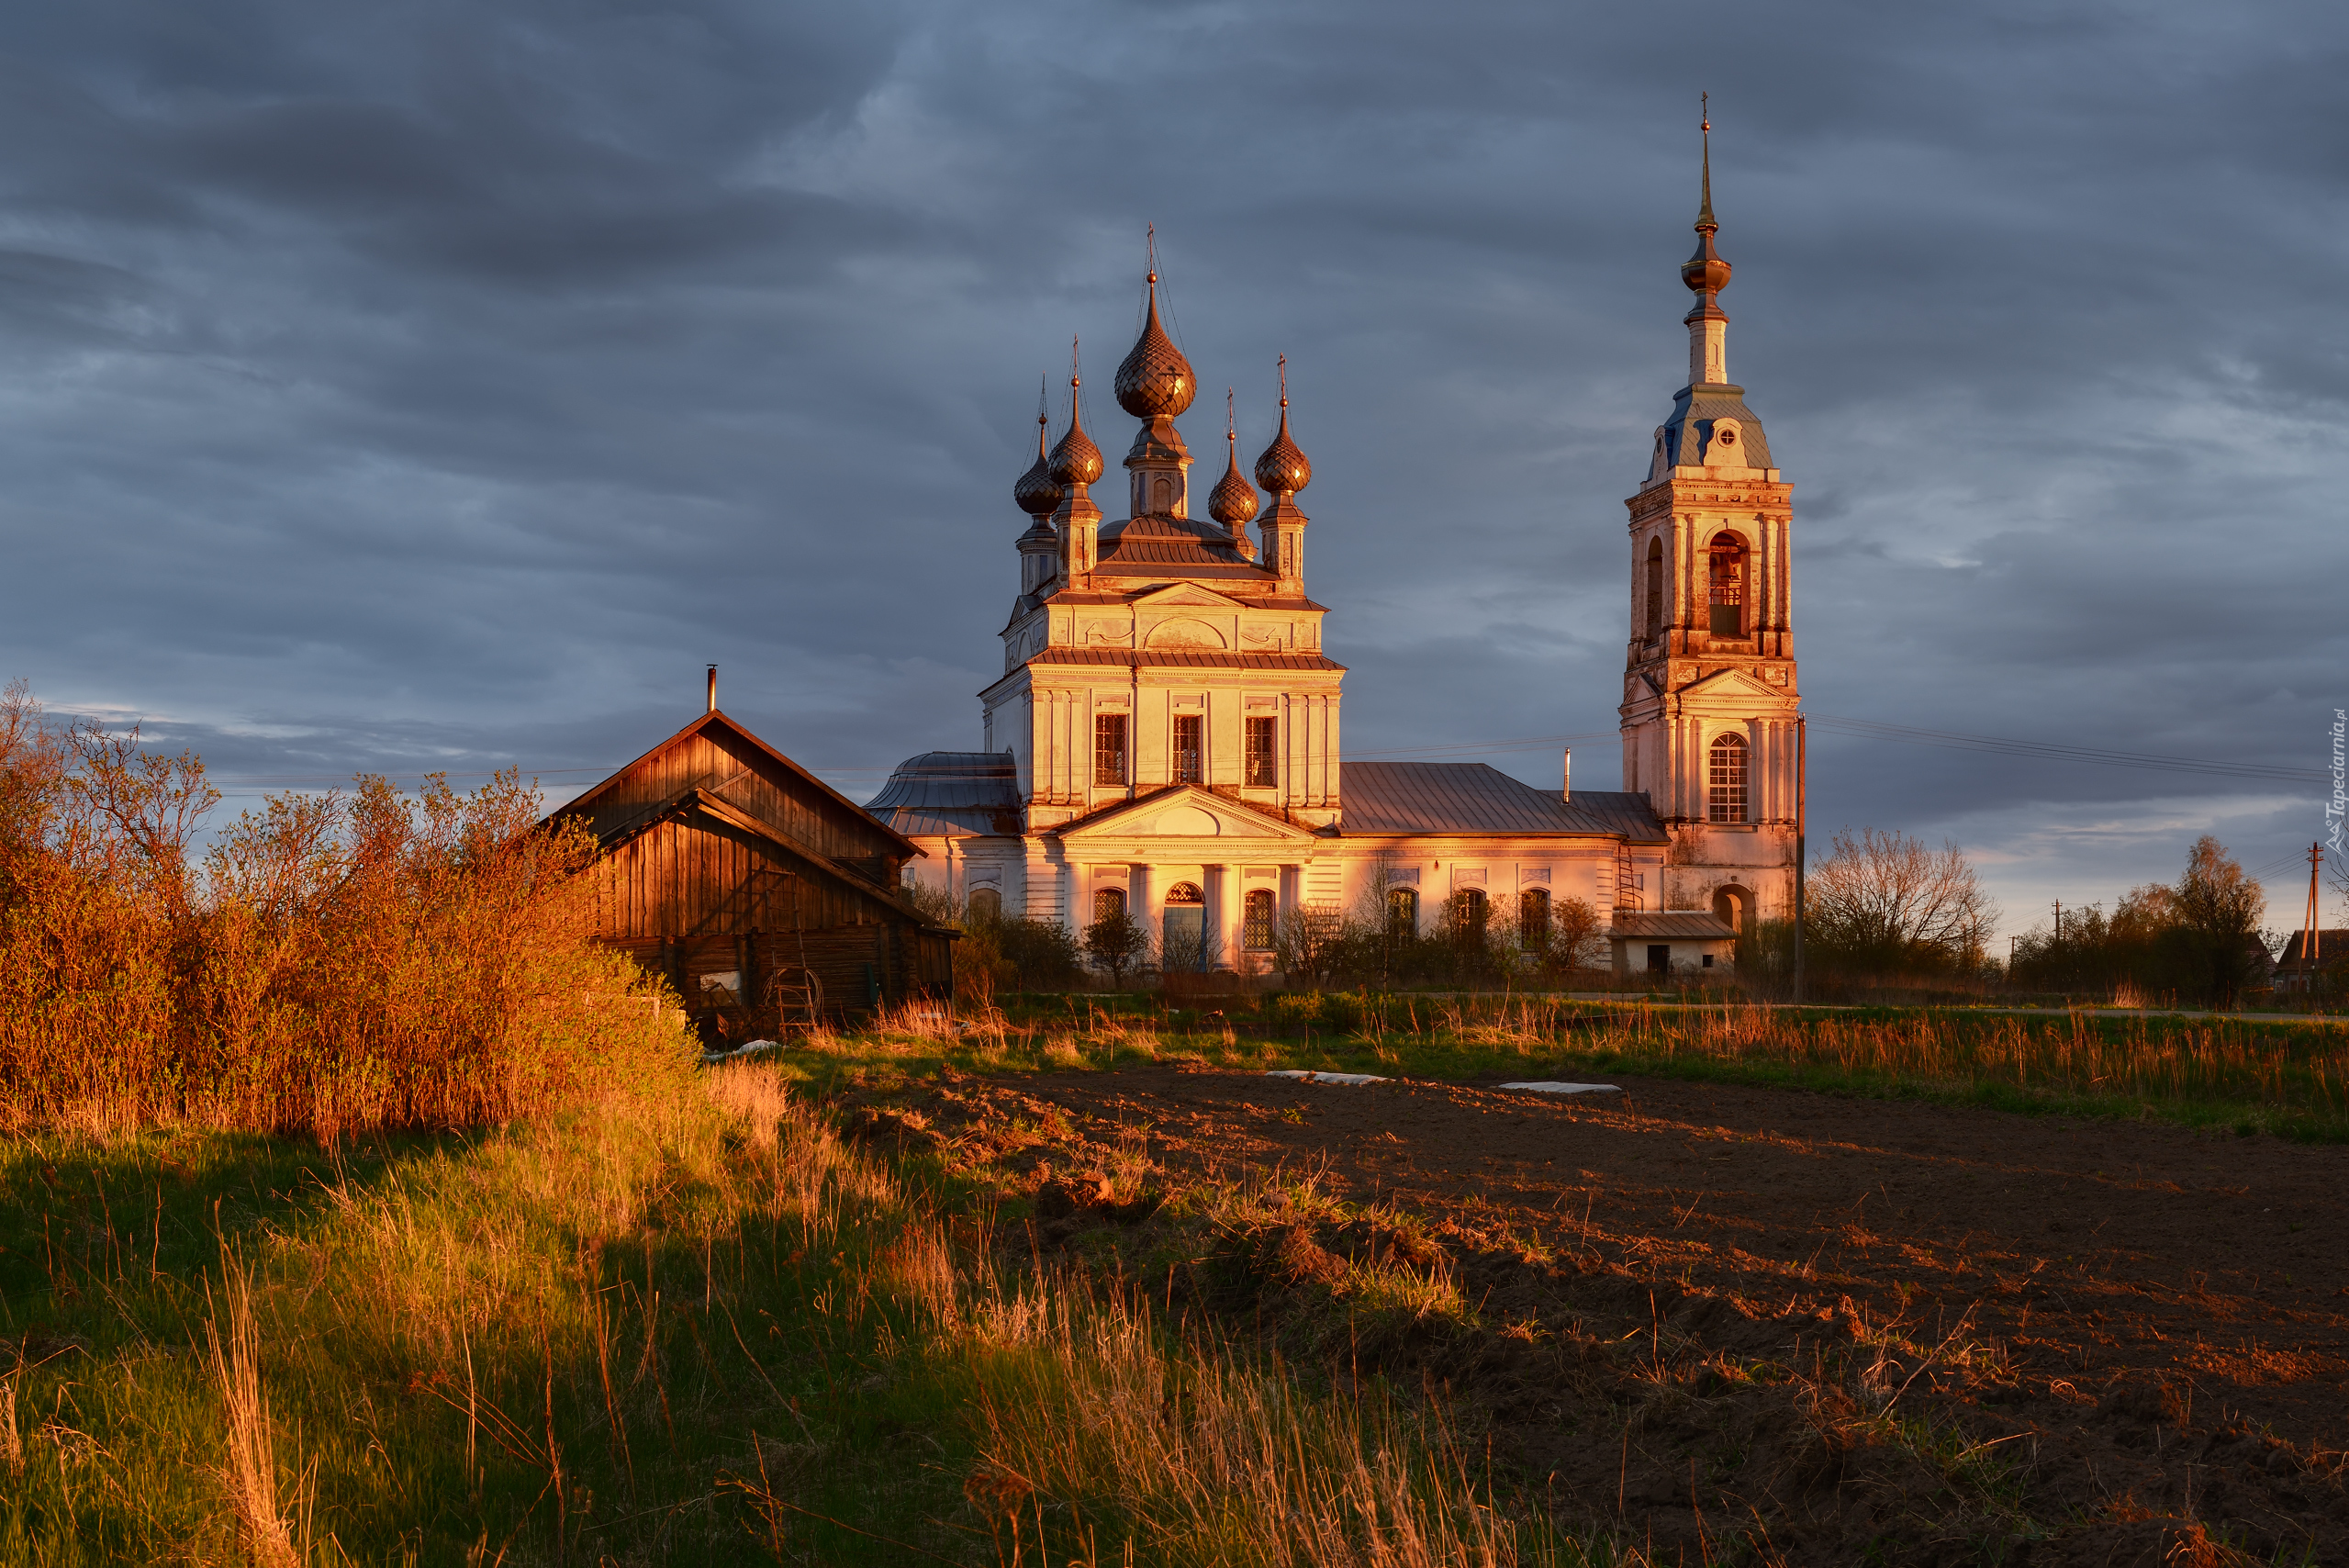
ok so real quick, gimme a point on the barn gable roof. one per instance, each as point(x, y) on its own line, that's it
point(701, 800)
point(846, 812)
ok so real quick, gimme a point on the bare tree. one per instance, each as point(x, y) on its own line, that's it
point(1885, 902)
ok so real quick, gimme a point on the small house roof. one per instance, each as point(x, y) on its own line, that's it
point(1687, 925)
point(2331, 943)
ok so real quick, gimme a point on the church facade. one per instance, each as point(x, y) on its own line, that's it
point(1166, 736)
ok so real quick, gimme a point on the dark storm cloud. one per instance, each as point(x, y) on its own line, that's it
point(439, 386)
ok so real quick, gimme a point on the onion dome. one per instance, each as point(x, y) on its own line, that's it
point(1282, 469)
point(1232, 501)
point(1154, 378)
point(1074, 459)
point(1037, 493)
point(1705, 273)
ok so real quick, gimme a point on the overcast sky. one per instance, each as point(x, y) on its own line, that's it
point(441, 385)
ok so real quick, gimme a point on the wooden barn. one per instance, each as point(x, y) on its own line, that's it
point(764, 895)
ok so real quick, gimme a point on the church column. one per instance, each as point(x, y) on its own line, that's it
point(1139, 896)
point(1223, 892)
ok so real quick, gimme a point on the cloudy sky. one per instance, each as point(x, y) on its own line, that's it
point(443, 385)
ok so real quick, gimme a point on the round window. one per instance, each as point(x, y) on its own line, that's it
point(1729, 438)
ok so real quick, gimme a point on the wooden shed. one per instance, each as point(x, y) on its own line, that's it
point(764, 895)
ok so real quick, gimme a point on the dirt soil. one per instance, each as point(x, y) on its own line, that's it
point(1732, 1324)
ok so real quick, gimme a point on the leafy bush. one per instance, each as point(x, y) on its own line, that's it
point(338, 961)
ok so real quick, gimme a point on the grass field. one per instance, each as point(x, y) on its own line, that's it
point(691, 1327)
point(692, 1323)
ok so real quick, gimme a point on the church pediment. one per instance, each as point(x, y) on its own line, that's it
point(1732, 691)
point(1185, 812)
point(1178, 595)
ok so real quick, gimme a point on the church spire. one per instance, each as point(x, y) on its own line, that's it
point(1705, 273)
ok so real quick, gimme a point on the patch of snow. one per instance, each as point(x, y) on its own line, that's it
point(1303, 1076)
point(1549, 1086)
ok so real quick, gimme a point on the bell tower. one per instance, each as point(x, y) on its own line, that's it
point(1710, 696)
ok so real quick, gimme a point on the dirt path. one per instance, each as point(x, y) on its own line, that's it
point(2156, 1320)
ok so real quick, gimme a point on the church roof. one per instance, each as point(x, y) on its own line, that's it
point(942, 792)
point(1476, 797)
point(1148, 546)
point(1184, 658)
point(1700, 406)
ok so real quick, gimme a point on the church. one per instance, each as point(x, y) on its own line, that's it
point(1165, 739)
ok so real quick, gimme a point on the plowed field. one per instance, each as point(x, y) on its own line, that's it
point(1753, 1324)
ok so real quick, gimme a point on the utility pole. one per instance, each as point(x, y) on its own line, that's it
point(2059, 920)
point(2309, 927)
point(1802, 822)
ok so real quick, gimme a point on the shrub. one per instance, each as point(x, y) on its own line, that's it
point(336, 962)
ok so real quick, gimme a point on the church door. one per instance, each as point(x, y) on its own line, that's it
point(1182, 942)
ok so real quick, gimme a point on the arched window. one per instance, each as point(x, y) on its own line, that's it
point(1726, 588)
point(1655, 588)
point(985, 904)
point(1256, 922)
point(1533, 919)
point(1729, 904)
point(1108, 903)
point(1724, 779)
point(1402, 912)
point(1162, 495)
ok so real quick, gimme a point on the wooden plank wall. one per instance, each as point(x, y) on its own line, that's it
point(702, 879)
point(746, 778)
point(849, 962)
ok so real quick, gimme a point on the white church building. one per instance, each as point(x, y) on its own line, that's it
point(1166, 736)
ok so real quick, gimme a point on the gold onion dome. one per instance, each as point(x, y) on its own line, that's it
point(1039, 493)
point(1154, 378)
point(1283, 468)
point(1074, 459)
point(1705, 273)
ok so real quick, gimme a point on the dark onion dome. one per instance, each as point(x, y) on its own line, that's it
point(1037, 493)
point(1283, 468)
point(1074, 459)
point(1154, 378)
point(1232, 501)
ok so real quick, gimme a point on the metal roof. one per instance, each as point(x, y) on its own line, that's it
point(1687, 924)
point(942, 792)
point(1700, 406)
point(1149, 544)
point(1476, 797)
point(1184, 658)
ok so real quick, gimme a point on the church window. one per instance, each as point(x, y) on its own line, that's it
point(1655, 588)
point(1533, 919)
point(1471, 912)
point(1727, 588)
point(1256, 922)
point(985, 905)
point(1263, 763)
point(1108, 903)
point(1725, 780)
point(1109, 748)
point(1162, 496)
point(1402, 912)
point(1187, 748)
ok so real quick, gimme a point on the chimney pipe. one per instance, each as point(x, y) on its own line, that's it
point(1566, 777)
point(713, 689)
